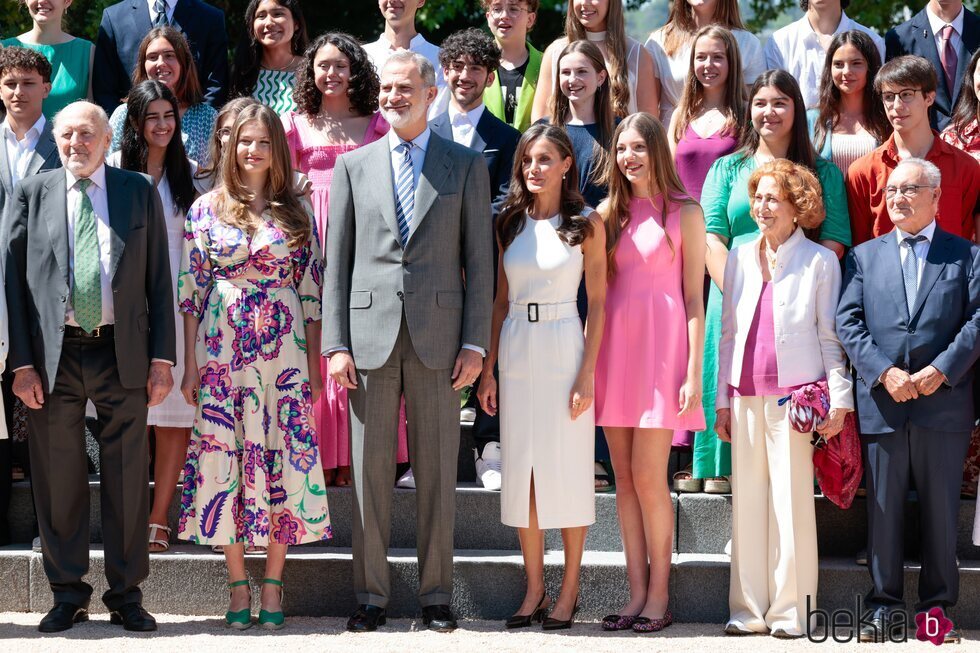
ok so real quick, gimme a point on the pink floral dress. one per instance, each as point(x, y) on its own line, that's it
point(252, 473)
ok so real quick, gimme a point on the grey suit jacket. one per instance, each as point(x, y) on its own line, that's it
point(371, 279)
point(45, 157)
point(37, 274)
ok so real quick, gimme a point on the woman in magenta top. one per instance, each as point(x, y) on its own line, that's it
point(336, 112)
point(705, 125)
point(647, 380)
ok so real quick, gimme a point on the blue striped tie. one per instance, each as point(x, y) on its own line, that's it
point(910, 270)
point(405, 192)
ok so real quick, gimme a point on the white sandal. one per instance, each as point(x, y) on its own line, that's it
point(157, 540)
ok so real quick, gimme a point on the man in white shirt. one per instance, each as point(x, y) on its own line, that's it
point(400, 34)
point(28, 147)
point(469, 59)
point(87, 280)
point(801, 47)
point(946, 34)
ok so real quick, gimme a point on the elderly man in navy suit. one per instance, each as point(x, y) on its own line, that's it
point(947, 34)
point(123, 27)
point(909, 319)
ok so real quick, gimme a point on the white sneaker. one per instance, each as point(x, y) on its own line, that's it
point(488, 467)
point(407, 481)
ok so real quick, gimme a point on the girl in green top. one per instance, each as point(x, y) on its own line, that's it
point(776, 128)
point(70, 57)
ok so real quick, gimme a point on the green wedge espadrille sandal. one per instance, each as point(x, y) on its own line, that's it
point(241, 619)
point(272, 620)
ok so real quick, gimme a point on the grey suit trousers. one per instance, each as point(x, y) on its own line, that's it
point(432, 407)
point(59, 475)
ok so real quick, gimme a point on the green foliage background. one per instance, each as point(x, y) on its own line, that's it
point(441, 17)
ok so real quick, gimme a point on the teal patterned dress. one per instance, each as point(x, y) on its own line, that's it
point(725, 200)
point(274, 88)
point(252, 473)
point(196, 128)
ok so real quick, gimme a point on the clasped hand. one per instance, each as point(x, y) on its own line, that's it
point(903, 386)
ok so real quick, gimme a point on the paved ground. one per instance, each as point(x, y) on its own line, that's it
point(18, 633)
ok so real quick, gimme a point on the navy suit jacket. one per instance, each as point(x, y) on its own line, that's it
point(943, 330)
point(497, 141)
point(914, 36)
point(123, 27)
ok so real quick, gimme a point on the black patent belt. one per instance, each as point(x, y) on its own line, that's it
point(104, 331)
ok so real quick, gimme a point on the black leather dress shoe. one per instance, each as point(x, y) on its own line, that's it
point(873, 631)
point(439, 618)
point(63, 616)
point(366, 619)
point(133, 617)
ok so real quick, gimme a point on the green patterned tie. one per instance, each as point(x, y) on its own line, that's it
point(86, 296)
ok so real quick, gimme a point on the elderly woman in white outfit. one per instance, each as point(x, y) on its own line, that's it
point(778, 334)
point(547, 365)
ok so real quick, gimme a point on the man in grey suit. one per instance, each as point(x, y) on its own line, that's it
point(909, 319)
point(408, 300)
point(91, 306)
point(27, 148)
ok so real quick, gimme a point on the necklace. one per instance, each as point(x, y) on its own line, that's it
point(595, 37)
point(770, 257)
point(288, 66)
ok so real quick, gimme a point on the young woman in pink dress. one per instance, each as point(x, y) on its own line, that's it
point(336, 112)
point(648, 375)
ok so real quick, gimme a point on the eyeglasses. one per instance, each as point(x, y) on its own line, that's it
point(908, 190)
point(906, 96)
point(511, 11)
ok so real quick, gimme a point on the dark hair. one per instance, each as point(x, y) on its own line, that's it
point(875, 119)
point(362, 88)
point(800, 148)
point(473, 44)
point(248, 53)
point(188, 87)
point(967, 108)
point(574, 228)
point(605, 121)
point(134, 151)
point(17, 58)
point(907, 71)
point(212, 172)
point(805, 4)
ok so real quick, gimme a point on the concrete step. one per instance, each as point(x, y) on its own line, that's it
point(488, 584)
point(477, 519)
point(704, 525)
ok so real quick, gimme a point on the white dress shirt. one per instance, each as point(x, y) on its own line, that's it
point(796, 49)
point(464, 123)
point(380, 50)
point(19, 151)
point(100, 203)
point(921, 247)
point(936, 24)
point(171, 5)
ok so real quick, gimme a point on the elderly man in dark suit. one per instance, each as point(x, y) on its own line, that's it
point(87, 281)
point(408, 297)
point(123, 27)
point(947, 34)
point(28, 148)
point(469, 59)
point(909, 319)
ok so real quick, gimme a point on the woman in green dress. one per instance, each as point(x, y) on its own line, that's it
point(70, 56)
point(269, 54)
point(776, 129)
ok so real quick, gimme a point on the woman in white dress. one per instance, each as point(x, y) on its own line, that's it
point(632, 76)
point(149, 146)
point(546, 364)
point(671, 46)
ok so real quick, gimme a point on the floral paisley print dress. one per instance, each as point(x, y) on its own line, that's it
point(252, 473)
